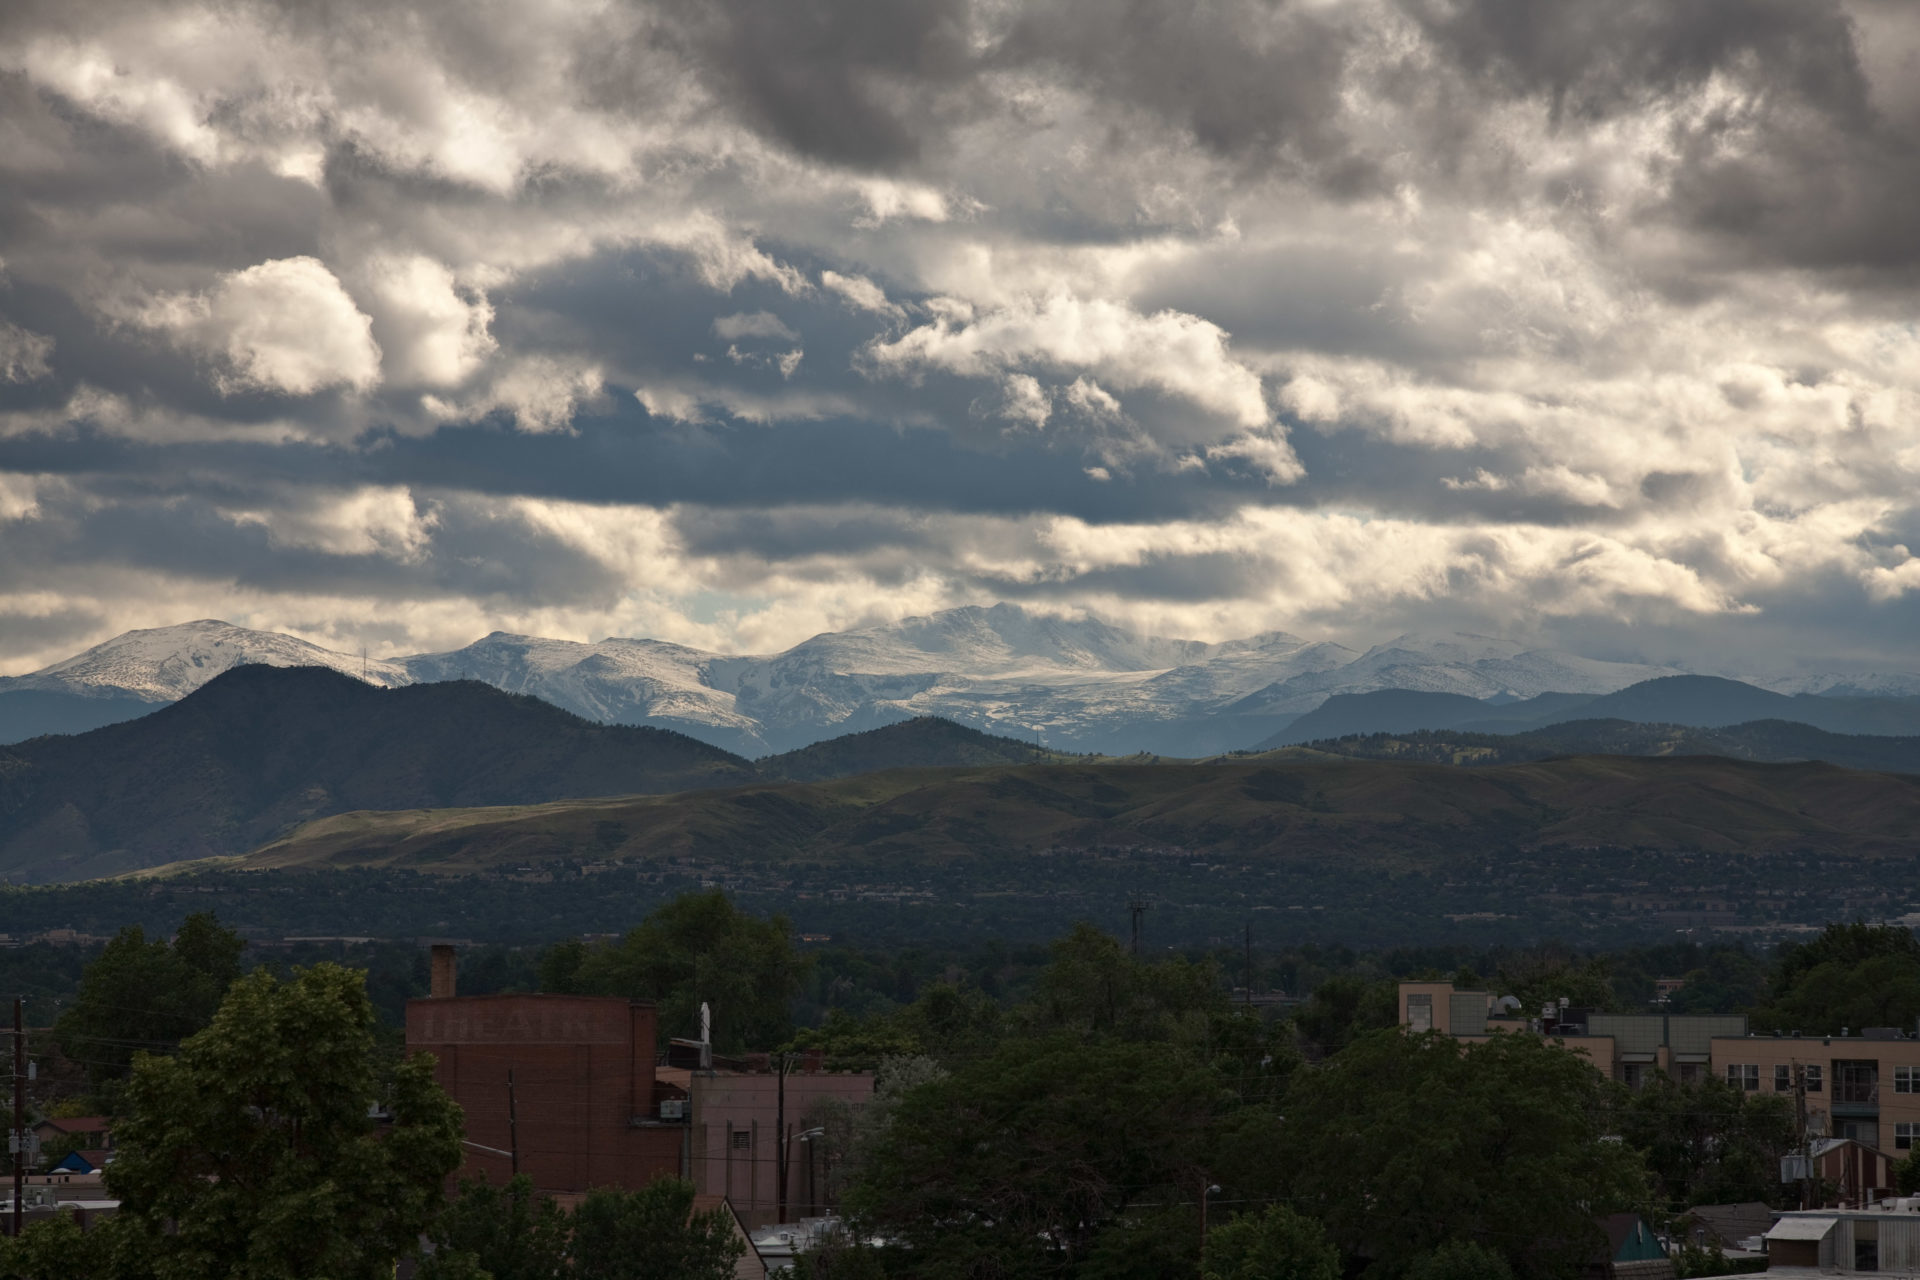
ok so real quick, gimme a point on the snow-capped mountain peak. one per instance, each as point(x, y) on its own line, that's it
point(162, 664)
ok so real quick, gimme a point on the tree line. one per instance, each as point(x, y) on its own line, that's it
point(1113, 1117)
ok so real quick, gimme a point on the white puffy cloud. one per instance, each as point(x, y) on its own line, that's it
point(285, 325)
point(431, 332)
point(1277, 315)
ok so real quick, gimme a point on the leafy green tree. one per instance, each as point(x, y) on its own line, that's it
point(1852, 975)
point(253, 1151)
point(509, 1232)
point(1906, 1175)
point(697, 948)
point(1094, 984)
point(1401, 1143)
point(652, 1234)
point(1538, 976)
point(1343, 1007)
point(1460, 1260)
point(146, 995)
point(1707, 1143)
point(54, 1249)
point(1276, 1245)
point(1016, 1162)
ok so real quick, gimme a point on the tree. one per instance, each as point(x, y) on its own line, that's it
point(697, 948)
point(1707, 1143)
point(1401, 1143)
point(1460, 1260)
point(146, 995)
point(508, 1232)
point(1343, 1007)
point(1852, 975)
point(1018, 1161)
point(253, 1152)
point(652, 1234)
point(1093, 984)
point(1276, 1245)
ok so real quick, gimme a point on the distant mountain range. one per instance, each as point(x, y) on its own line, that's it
point(258, 750)
point(1702, 702)
point(1078, 685)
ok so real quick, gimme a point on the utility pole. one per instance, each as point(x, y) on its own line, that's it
point(19, 1109)
point(780, 1137)
point(513, 1125)
point(1249, 968)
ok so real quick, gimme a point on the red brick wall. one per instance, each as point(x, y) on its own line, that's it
point(582, 1074)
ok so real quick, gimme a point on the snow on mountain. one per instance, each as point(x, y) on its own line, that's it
point(162, 664)
point(1078, 682)
point(615, 681)
point(1473, 666)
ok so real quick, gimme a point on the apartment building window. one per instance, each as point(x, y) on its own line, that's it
point(1904, 1134)
point(1782, 1078)
point(742, 1139)
point(1815, 1079)
point(1856, 1082)
point(1689, 1073)
point(1906, 1079)
point(1744, 1076)
point(1419, 1013)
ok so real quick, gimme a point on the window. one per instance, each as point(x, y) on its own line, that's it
point(1906, 1079)
point(1856, 1082)
point(1689, 1073)
point(742, 1139)
point(1903, 1136)
point(1814, 1079)
point(1782, 1078)
point(1744, 1076)
point(1633, 1074)
point(1419, 1013)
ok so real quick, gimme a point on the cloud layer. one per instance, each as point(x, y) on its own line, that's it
point(734, 321)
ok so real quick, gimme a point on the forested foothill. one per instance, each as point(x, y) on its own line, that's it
point(1077, 1109)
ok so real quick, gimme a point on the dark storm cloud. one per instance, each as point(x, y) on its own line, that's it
point(857, 82)
point(1041, 301)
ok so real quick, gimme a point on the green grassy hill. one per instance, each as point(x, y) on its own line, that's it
point(1385, 814)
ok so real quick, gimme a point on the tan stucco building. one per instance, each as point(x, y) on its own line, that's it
point(1864, 1086)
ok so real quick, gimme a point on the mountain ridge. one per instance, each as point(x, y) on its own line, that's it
point(1080, 684)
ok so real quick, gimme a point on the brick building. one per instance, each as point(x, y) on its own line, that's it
point(567, 1082)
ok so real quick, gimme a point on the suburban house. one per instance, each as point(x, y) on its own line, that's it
point(1728, 1226)
point(92, 1133)
point(1634, 1252)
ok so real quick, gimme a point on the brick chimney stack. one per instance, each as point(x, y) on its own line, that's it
point(441, 987)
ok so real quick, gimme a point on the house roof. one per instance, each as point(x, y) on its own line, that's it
point(1730, 1222)
point(1801, 1228)
point(79, 1124)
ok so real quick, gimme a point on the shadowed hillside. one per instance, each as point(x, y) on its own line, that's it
point(921, 743)
point(1775, 741)
point(1364, 812)
point(260, 749)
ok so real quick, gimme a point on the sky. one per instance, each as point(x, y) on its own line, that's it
point(732, 321)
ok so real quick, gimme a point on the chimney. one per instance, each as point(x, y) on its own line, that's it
point(441, 987)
